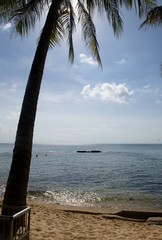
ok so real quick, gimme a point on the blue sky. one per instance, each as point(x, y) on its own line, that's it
point(82, 103)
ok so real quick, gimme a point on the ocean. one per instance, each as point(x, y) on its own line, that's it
point(120, 176)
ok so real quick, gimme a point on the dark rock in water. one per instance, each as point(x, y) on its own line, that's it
point(92, 151)
point(95, 151)
point(81, 151)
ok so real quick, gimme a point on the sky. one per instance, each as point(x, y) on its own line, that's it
point(83, 103)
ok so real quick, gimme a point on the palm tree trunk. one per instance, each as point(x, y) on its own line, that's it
point(16, 189)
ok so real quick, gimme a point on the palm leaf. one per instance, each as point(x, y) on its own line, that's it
point(6, 9)
point(64, 24)
point(56, 34)
point(154, 17)
point(69, 25)
point(27, 14)
point(143, 6)
point(113, 16)
point(111, 8)
point(89, 31)
point(58, 31)
point(91, 6)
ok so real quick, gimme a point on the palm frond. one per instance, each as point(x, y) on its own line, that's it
point(143, 6)
point(111, 8)
point(64, 25)
point(6, 9)
point(58, 30)
point(91, 6)
point(154, 17)
point(89, 31)
point(69, 26)
point(27, 14)
point(113, 16)
point(127, 3)
point(56, 34)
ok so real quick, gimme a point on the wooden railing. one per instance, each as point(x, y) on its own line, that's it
point(14, 223)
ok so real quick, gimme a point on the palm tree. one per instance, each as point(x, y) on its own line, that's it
point(154, 19)
point(60, 23)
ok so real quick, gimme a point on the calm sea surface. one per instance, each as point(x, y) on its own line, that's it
point(127, 176)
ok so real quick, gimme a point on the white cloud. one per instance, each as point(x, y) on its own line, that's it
point(159, 101)
point(88, 60)
point(121, 61)
point(110, 92)
point(7, 26)
point(13, 115)
point(13, 87)
point(56, 98)
point(147, 86)
point(148, 89)
point(2, 84)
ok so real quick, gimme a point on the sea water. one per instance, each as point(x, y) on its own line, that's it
point(125, 176)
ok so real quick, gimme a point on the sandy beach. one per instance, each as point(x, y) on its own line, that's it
point(58, 222)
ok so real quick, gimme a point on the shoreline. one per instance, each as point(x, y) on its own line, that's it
point(125, 214)
point(143, 213)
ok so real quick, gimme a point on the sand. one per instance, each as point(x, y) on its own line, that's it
point(52, 222)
